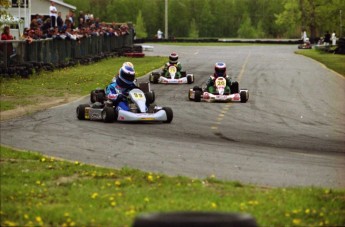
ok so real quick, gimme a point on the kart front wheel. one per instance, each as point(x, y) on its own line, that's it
point(169, 113)
point(190, 79)
point(150, 97)
point(108, 114)
point(81, 111)
point(243, 96)
point(234, 87)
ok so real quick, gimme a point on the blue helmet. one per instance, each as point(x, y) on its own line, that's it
point(220, 69)
point(126, 75)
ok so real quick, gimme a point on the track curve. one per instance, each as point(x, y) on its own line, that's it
point(291, 132)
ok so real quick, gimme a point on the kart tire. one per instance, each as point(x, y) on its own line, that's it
point(183, 74)
point(150, 97)
point(190, 79)
point(80, 111)
point(154, 77)
point(234, 87)
point(97, 95)
point(93, 96)
point(197, 88)
point(108, 114)
point(243, 96)
point(197, 96)
point(169, 114)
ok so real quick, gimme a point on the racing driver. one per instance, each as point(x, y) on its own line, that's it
point(117, 91)
point(219, 71)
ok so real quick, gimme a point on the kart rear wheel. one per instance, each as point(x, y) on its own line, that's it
point(197, 96)
point(169, 114)
point(93, 96)
point(234, 87)
point(108, 114)
point(81, 111)
point(243, 96)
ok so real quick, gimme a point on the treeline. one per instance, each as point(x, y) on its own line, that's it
point(222, 18)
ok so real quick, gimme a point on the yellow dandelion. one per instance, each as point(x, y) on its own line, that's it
point(43, 159)
point(26, 216)
point(38, 182)
point(321, 214)
point(296, 221)
point(129, 179)
point(66, 214)
point(111, 198)
point(213, 205)
point(94, 195)
point(295, 211)
point(146, 200)
point(76, 163)
point(117, 183)
point(307, 211)
point(113, 203)
point(38, 219)
point(72, 223)
point(119, 194)
point(327, 191)
point(150, 178)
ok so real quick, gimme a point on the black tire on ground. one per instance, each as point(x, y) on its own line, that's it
point(108, 114)
point(243, 96)
point(197, 96)
point(169, 114)
point(183, 73)
point(197, 88)
point(150, 97)
point(190, 79)
point(81, 111)
point(100, 97)
point(234, 87)
point(186, 219)
point(93, 96)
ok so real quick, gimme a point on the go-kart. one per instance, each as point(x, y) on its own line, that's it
point(198, 94)
point(171, 77)
point(305, 46)
point(140, 101)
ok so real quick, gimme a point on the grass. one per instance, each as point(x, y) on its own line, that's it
point(332, 61)
point(42, 191)
point(75, 81)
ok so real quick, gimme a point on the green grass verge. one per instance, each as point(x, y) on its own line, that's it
point(332, 61)
point(42, 191)
point(74, 81)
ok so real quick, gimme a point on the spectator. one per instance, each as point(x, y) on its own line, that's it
point(59, 21)
point(46, 26)
point(7, 47)
point(52, 13)
point(334, 39)
point(327, 38)
point(159, 34)
point(304, 36)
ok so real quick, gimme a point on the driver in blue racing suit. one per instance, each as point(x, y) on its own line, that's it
point(173, 61)
point(117, 91)
point(219, 71)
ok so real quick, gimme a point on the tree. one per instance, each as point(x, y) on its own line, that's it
point(140, 26)
point(193, 30)
point(246, 29)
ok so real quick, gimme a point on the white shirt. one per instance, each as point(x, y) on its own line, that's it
point(52, 8)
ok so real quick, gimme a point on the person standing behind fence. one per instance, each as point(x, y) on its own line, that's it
point(7, 47)
point(59, 21)
point(52, 13)
point(334, 39)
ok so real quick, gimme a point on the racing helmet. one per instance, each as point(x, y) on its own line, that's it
point(126, 75)
point(173, 58)
point(127, 63)
point(220, 69)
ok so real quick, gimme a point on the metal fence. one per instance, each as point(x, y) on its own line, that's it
point(58, 51)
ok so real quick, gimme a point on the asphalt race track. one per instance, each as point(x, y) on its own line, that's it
point(291, 132)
